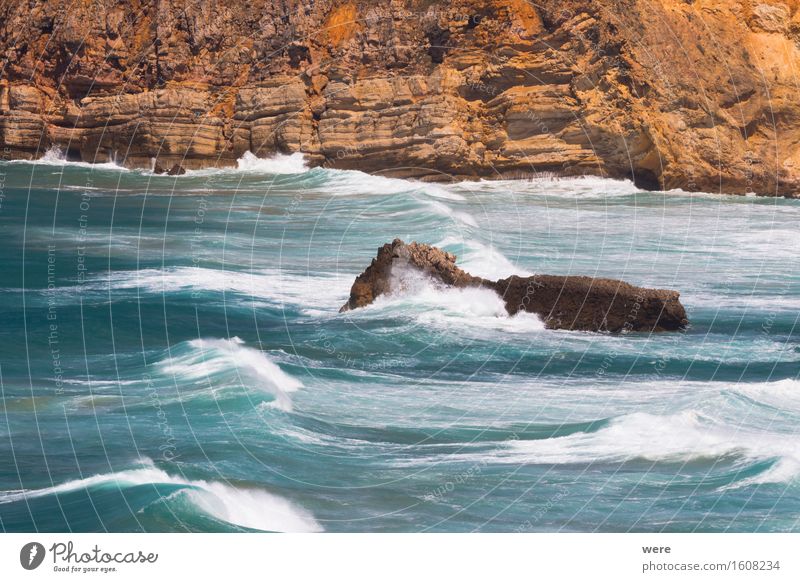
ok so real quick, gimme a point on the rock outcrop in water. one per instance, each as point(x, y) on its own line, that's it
point(563, 302)
point(673, 94)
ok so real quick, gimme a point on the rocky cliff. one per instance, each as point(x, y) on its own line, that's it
point(699, 95)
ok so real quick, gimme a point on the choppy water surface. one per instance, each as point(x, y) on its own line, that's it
point(172, 357)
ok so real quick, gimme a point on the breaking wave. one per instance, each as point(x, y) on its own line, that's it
point(269, 285)
point(229, 362)
point(54, 156)
point(278, 164)
point(561, 187)
point(245, 507)
point(483, 260)
point(676, 438)
point(432, 303)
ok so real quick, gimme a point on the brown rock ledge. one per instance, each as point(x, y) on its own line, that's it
point(563, 302)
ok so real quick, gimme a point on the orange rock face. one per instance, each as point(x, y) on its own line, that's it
point(694, 95)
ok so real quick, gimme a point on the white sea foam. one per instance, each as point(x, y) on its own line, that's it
point(431, 196)
point(752, 302)
point(437, 207)
point(273, 285)
point(566, 187)
point(250, 508)
point(433, 303)
point(681, 437)
point(55, 157)
point(276, 164)
point(481, 259)
point(781, 394)
point(763, 240)
point(354, 182)
point(785, 470)
point(214, 358)
point(337, 182)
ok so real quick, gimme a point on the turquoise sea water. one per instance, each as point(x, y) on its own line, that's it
point(172, 357)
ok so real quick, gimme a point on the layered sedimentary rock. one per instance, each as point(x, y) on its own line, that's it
point(563, 302)
point(673, 94)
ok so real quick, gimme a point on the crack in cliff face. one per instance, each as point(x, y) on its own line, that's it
point(666, 93)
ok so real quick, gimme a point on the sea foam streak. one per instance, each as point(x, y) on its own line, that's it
point(250, 508)
point(231, 360)
point(681, 437)
point(276, 164)
point(564, 187)
point(55, 157)
point(781, 394)
point(271, 285)
point(355, 182)
point(343, 182)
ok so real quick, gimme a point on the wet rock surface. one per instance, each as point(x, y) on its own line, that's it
point(563, 302)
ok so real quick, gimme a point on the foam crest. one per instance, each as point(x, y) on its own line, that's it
point(681, 437)
point(230, 359)
point(271, 285)
point(331, 181)
point(430, 196)
point(562, 187)
point(782, 394)
point(55, 157)
point(355, 182)
point(433, 303)
point(277, 164)
point(250, 508)
point(458, 216)
point(481, 259)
